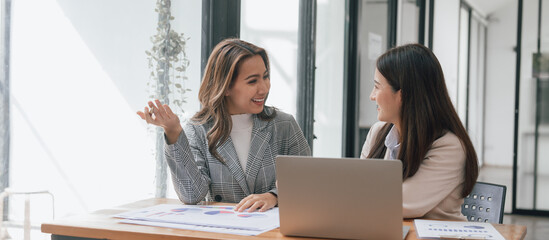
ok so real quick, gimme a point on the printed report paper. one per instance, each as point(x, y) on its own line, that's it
point(195, 227)
point(215, 216)
point(452, 229)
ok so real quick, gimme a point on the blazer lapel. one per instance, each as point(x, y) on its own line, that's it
point(258, 145)
point(228, 153)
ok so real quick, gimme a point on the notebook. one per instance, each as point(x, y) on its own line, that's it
point(340, 197)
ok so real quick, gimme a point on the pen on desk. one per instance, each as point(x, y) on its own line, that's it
point(457, 237)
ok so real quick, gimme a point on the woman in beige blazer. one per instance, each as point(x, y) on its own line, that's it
point(228, 149)
point(420, 126)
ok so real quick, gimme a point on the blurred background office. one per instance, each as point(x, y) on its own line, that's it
point(75, 72)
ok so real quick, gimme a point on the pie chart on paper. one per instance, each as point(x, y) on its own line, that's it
point(219, 212)
point(252, 215)
point(180, 210)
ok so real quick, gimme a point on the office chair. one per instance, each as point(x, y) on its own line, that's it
point(485, 203)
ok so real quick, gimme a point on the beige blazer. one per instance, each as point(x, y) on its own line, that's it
point(434, 192)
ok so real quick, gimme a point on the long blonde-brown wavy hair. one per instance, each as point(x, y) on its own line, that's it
point(219, 75)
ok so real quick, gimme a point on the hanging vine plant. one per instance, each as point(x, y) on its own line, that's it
point(168, 61)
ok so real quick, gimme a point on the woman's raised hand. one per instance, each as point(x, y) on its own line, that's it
point(162, 116)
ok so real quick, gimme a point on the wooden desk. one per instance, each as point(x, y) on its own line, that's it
point(100, 225)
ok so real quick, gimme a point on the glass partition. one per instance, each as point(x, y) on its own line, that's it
point(373, 24)
point(533, 122)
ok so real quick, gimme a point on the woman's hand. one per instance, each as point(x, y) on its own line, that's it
point(264, 202)
point(162, 116)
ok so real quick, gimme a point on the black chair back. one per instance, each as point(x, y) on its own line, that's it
point(485, 203)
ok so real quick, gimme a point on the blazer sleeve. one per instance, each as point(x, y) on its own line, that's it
point(370, 138)
point(188, 165)
point(297, 144)
point(440, 174)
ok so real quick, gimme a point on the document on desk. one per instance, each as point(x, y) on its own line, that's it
point(456, 230)
point(195, 227)
point(213, 217)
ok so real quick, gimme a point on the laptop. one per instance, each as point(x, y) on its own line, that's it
point(346, 198)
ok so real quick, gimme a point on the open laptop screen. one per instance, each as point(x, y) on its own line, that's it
point(340, 197)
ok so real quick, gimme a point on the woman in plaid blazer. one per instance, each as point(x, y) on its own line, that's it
point(207, 157)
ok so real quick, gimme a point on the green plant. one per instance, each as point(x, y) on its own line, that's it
point(168, 61)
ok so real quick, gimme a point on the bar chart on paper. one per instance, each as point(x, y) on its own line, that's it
point(197, 217)
point(451, 229)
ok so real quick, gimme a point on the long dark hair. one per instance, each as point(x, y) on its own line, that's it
point(427, 113)
point(219, 76)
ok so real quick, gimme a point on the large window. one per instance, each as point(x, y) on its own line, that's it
point(273, 25)
point(373, 40)
point(79, 74)
point(329, 78)
point(278, 33)
point(408, 21)
point(471, 77)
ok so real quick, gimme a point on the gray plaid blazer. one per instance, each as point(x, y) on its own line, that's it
point(195, 172)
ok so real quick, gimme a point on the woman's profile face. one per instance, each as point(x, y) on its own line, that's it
point(388, 101)
point(250, 87)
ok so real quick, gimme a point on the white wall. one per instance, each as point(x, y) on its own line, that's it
point(79, 74)
point(500, 87)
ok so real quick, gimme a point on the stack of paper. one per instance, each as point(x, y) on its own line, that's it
point(456, 230)
point(211, 218)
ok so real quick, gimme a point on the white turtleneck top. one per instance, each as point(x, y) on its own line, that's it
point(241, 134)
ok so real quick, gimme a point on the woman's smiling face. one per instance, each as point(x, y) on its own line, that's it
point(388, 101)
point(250, 87)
